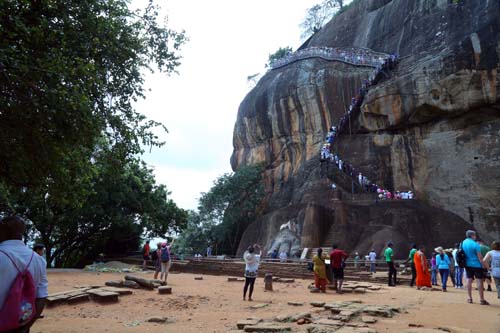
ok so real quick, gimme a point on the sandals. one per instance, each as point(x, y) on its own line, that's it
point(484, 302)
point(469, 300)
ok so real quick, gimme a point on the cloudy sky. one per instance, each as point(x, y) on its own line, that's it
point(229, 40)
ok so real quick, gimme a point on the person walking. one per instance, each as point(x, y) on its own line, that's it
point(337, 263)
point(459, 271)
point(412, 264)
point(443, 265)
point(319, 268)
point(389, 259)
point(15, 257)
point(474, 268)
point(492, 259)
point(423, 276)
point(145, 254)
point(434, 269)
point(252, 261)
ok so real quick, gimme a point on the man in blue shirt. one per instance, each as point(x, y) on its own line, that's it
point(473, 265)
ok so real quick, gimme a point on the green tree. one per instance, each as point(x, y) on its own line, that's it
point(224, 212)
point(280, 53)
point(69, 72)
point(124, 201)
point(318, 15)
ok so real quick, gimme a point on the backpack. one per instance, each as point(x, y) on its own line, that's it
point(461, 257)
point(19, 307)
point(165, 255)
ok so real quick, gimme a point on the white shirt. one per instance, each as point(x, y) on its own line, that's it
point(373, 256)
point(251, 261)
point(21, 255)
point(495, 262)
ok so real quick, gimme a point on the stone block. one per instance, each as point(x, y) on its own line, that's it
point(295, 303)
point(159, 320)
point(164, 290)
point(103, 296)
point(198, 277)
point(247, 322)
point(317, 304)
point(267, 328)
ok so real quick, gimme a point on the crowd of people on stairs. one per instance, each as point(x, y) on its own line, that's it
point(327, 154)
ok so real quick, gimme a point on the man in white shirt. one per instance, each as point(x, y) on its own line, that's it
point(11, 245)
point(283, 256)
point(373, 258)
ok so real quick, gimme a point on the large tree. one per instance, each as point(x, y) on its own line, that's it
point(69, 73)
point(318, 15)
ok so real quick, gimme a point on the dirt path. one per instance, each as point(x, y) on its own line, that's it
point(215, 305)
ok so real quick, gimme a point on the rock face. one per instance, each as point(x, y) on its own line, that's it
point(433, 127)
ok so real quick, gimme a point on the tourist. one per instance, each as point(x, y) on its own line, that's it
point(423, 276)
point(412, 264)
point(145, 254)
point(165, 260)
point(373, 258)
point(319, 268)
point(16, 256)
point(356, 260)
point(485, 249)
point(459, 271)
point(452, 267)
point(443, 265)
point(274, 254)
point(156, 257)
point(389, 259)
point(39, 249)
point(283, 256)
point(251, 267)
point(473, 266)
point(492, 259)
point(434, 269)
point(337, 263)
point(209, 250)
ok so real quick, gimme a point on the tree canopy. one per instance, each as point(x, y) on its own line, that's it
point(69, 135)
point(318, 15)
point(280, 53)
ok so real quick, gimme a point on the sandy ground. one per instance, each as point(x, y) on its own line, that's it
point(215, 305)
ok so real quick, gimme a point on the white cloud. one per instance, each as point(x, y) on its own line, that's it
point(229, 40)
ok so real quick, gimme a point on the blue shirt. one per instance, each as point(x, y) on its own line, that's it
point(442, 263)
point(471, 248)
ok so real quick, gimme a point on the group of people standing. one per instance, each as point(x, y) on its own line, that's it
point(337, 259)
point(479, 262)
point(162, 258)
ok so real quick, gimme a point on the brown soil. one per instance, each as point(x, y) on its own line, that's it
point(215, 305)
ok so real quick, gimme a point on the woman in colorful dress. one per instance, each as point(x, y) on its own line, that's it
point(320, 279)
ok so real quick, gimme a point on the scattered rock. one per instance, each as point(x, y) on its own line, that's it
point(368, 319)
point(329, 322)
point(198, 277)
point(378, 311)
point(359, 290)
point(160, 320)
point(303, 321)
point(415, 325)
point(267, 328)
point(247, 322)
point(103, 296)
point(259, 306)
point(164, 290)
point(317, 304)
point(295, 303)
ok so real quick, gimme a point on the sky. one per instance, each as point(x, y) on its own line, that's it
point(228, 41)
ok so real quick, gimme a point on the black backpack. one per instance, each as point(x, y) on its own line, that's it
point(461, 257)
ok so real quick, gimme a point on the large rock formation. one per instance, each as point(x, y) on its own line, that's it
point(432, 127)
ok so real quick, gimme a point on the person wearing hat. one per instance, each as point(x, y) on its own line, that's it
point(389, 259)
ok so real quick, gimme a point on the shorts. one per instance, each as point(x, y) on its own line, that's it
point(165, 266)
point(474, 272)
point(338, 273)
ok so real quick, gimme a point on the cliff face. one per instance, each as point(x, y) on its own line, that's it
point(432, 127)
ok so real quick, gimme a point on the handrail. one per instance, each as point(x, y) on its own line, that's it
point(352, 56)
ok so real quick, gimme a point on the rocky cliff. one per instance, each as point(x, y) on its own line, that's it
point(433, 126)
